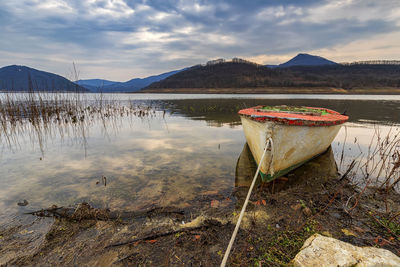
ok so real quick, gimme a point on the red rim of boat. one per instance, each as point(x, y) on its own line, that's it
point(329, 118)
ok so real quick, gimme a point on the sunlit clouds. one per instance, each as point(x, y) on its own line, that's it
point(122, 39)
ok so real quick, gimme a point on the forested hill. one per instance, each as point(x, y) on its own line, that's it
point(244, 75)
point(22, 78)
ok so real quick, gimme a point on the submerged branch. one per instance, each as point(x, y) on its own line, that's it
point(152, 236)
point(84, 211)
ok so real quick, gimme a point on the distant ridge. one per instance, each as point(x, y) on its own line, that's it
point(94, 84)
point(373, 62)
point(303, 59)
point(21, 78)
point(133, 85)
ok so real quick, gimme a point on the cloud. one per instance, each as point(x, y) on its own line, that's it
point(107, 9)
point(123, 39)
point(355, 10)
point(374, 47)
point(274, 12)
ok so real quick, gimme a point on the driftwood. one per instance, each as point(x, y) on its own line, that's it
point(153, 236)
point(85, 212)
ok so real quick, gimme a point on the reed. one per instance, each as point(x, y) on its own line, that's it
point(377, 165)
point(45, 114)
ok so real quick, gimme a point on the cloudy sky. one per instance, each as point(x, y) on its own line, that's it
point(123, 39)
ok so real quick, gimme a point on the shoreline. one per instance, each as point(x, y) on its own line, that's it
point(241, 91)
point(277, 90)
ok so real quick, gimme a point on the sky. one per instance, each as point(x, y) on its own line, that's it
point(123, 39)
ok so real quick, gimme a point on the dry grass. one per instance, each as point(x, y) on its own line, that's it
point(376, 167)
point(42, 115)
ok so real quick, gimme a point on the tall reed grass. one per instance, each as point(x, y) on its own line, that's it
point(376, 165)
point(43, 114)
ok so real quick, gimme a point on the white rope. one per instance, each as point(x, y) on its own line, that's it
point(228, 249)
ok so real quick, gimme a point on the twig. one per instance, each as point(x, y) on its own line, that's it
point(394, 183)
point(42, 212)
point(323, 210)
point(154, 236)
point(352, 164)
point(359, 195)
point(394, 216)
point(179, 259)
point(273, 263)
point(344, 143)
point(390, 231)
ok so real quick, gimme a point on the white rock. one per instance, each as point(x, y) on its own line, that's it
point(320, 250)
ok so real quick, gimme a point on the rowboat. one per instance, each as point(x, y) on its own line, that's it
point(298, 135)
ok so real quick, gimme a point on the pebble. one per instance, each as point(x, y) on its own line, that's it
point(307, 211)
point(23, 203)
point(296, 207)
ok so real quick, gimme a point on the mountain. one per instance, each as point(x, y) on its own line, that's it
point(94, 84)
point(22, 78)
point(306, 60)
point(246, 76)
point(105, 86)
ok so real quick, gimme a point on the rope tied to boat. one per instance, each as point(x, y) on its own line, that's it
point(268, 143)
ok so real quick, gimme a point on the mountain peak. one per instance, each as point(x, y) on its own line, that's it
point(303, 59)
point(16, 67)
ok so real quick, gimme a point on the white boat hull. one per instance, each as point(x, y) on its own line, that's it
point(292, 145)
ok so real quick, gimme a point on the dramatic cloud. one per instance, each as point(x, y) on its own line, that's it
point(122, 39)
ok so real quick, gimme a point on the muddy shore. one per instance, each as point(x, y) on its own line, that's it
point(280, 217)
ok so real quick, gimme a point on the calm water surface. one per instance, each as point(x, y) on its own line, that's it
point(164, 159)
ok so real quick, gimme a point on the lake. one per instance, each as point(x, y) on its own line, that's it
point(185, 147)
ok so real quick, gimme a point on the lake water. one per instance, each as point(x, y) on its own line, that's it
point(188, 147)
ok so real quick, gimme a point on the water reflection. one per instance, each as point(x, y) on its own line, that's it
point(371, 138)
point(246, 167)
point(77, 125)
point(156, 162)
point(167, 158)
point(317, 170)
point(224, 111)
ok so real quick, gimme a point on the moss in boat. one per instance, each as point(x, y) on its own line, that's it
point(299, 110)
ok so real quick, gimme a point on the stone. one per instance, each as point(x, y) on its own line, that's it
point(348, 232)
point(307, 211)
point(258, 216)
point(23, 203)
point(296, 207)
point(320, 250)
